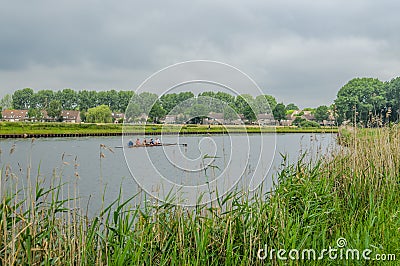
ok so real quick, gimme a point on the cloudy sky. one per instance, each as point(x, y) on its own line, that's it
point(300, 51)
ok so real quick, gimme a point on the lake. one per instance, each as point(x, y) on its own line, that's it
point(97, 168)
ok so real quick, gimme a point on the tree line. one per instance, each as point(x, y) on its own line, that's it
point(134, 104)
point(366, 101)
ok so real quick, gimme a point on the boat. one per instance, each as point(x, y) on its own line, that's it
point(157, 145)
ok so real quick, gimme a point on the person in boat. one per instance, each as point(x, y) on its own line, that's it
point(130, 143)
point(144, 142)
point(137, 143)
point(151, 142)
point(158, 142)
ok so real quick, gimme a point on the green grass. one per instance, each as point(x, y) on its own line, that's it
point(352, 194)
point(7, 128)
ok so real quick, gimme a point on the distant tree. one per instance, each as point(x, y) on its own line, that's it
point(265, 103)
point(197, 112)
point(68, 99)
point(243, 101)
point(392, 96)
point(359, 98)
point(145, 101)
point(43, 98)
point(322, 113)
point(249, 114)
point(225, 98)
point(54, 110)
point(123, 99)
point(99, 114)
point(298, 120)
point(292, 106)
point(82, 114)
point(156, 112)
point(87, 99)
point(35, 114)
point(230, 113)
point(132, 112)
point(279, 112)
point(23, 99)
point(113, 100)
point(169, 101)
point(217, 100)
point(307, 123)
point(6, 102)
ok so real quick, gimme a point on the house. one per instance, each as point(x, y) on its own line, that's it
point(143, 117)
point(215, 118)
point(266, 119)
point(308, 116)
point(71, 116)
point(68, 116)
point(118, 117)
point(15, 115)
point(170, 119)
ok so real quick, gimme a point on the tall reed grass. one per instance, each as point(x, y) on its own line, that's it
point(353, 194)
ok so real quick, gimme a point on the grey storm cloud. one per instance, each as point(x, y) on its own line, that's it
point(299, 51)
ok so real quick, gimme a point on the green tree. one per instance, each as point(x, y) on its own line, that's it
point(216, 101)
point(113, 100)
point(292, 106)
point(243, 101)
point(307, 123)
point(87, 99)
point(156, 112)
point(230, 113)
point(279, 112)
point(169, 101)
point(99, 114)
point(35, 114)
point(54, 110)
point(392, 96)
point(360, 98)
point(43, 98)
point(298, 120)
point(249, 114)
point(6, 102)
point(197, 113)
point(132, 112)
point(322, 113)
point(176, 103)
point(23, 99)
point(145, 101)
point(123, 99)
point(68, 99)
point(82, 114)
point(265, 103)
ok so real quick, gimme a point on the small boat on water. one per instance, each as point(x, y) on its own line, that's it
point(156, 145)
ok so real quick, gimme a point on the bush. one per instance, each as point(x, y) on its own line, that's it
point(298, 120)
point(307, 123)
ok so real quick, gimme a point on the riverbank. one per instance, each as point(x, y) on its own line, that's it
point(347, 202)
point(29, 130)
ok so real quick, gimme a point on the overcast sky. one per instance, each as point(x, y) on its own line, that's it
point(300, 51)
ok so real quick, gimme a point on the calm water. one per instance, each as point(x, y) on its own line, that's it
point(207, 163)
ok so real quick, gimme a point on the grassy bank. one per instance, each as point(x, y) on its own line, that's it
point(69, 128)
point(353, 195)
